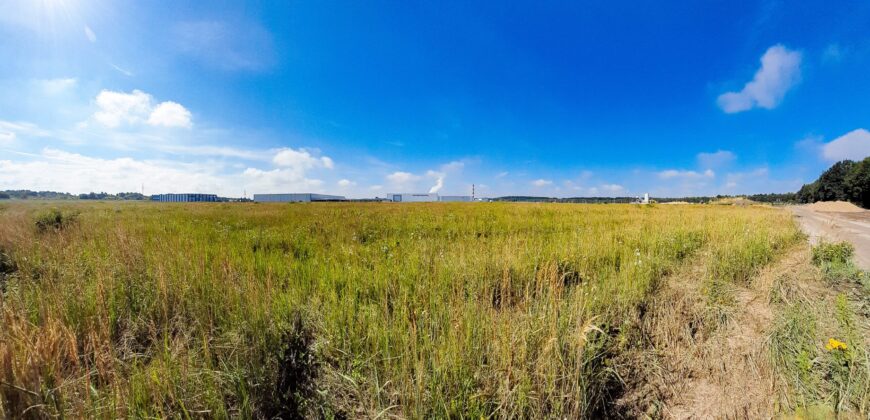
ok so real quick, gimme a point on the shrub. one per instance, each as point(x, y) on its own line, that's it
point(55, 219)
point(832, 253)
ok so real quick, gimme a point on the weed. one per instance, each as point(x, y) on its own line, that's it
point(818, 344)
point(54, 220)
point(794, 350)
point(298, 369)
point(832, 253)
point(7, 267)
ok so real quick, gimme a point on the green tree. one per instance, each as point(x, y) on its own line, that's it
point(808, 193)
point(858, 183)
point(832, 183)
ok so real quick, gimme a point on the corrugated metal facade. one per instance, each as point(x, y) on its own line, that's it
point(425, 198)
point(296, 198)
point(184, 198)
point(412, 198)
point(455, 198)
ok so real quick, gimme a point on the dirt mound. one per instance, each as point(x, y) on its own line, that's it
point(733, 201)
point(835, 206)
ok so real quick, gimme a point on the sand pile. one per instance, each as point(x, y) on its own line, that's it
point(733, 201)
point(835, 206)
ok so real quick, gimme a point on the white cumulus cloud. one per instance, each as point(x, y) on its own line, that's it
point(779, 72)
point(296, 163)
point(542, 182)
point(117, 108)
point(854, 145)
point(344, 183)
point(280, 179)
point(170, 114)
point(400, 177)
point(58, 170)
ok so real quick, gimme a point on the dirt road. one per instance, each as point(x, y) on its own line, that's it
point(851, 227)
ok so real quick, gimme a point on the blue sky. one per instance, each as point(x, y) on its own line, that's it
point(361, 98)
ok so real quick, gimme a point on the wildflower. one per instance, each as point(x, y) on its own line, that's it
point(834, 344)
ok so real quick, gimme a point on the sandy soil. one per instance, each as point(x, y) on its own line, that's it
point(852, 226)
point(835, 206)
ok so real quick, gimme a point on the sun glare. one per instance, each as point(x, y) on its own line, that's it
point(51, 18)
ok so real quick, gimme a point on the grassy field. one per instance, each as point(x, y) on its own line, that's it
point(347, 310)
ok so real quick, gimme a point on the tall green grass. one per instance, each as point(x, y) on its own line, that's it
point(345, 310)
point(819, 340)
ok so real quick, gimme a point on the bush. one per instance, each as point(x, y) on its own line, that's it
point(833, 253)
point(55, 219)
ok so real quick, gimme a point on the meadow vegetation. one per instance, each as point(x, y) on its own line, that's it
point(819, 342)
point(353, 310)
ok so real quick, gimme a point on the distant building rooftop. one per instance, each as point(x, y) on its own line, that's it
point(424, 198)
point(296, 198)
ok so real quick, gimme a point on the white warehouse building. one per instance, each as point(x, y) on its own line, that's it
point(296, 198)
point(425, 198)
point(455, 198)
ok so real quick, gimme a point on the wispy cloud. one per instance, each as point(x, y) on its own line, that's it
point(89, 33)
point(716, 159)
point(121, 70)
point(6, 138)
point(24, 128)
point(239, 45)
point(833, 53)
point(56, 86)
point(686, 174)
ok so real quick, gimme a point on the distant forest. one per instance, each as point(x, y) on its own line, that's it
point(844, 181)
point(52, 195)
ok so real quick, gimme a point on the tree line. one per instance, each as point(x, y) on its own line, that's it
point(54, 195)
point(844, 181)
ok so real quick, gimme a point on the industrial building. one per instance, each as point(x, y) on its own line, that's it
point(296, 198)
point(412, 198)
point(455, 198)
point(184, 198)
point(425, 198)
